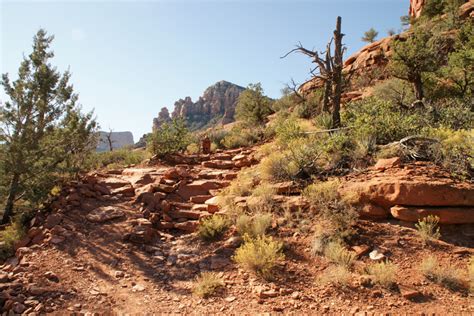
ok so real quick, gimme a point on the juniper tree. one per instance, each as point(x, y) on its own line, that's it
point(370, 35)
point(43, 133)
point(253, 106)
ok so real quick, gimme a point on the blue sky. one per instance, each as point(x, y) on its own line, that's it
point(130, 58)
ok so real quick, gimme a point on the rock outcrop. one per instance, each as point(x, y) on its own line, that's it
point(119, 140)
point(410, 193)
point(216, 105)
point(371, 60)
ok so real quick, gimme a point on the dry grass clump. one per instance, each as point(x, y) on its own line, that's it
point(253, 226)
point(428, 229)
point(277, 167)
point(259, 255)
point(206, 284)
point(338, 254)
point(12, 233)
point(383, 273)
point(213, 227)
point(262, 198)
point(446, 276)
point(335, 275)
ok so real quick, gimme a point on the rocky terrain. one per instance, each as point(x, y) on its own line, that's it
point(119, 140)
point(123, 241)
point(216, 105)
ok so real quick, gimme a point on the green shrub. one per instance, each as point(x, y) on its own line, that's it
point(335, 275)
point(322, 194)
point(446, 276)
point(242, 136)
point(259, 255)
point(11, 234)
point(253, 226)
point(206, 284)
point(338, 254)
point(170, 138)
point(253, 106)
point(213, 227)
point(261, 199)
point(277, 167)
point(323, 120)
point(395, 91)
point(383, 273)
point(117, 158)
point(428, 228)
point(382, 120)
point(455, 151)
point(287, 130)
point(193, 148)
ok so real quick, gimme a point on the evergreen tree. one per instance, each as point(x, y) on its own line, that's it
point(370, 35)
point(253, 106)
point(43, 134)
point(414, 57)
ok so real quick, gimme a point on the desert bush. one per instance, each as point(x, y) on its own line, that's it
point(455, 151)
point(334, 211)
point(446, 276)
point(261, 198)
point(383, 273)
point(335, 275)
point(206, 284)
point(382, 120)
point(299, 220)
point(287, 130)
point(169, 138)
point(242, 135)
point(338, 254)
point(395, 91)
point(428, 228)
point(277, 167)
point(12, 233)
point(243, 185)
point(115, 159)
point(259, 255)
point(323, 120)
point(213, 227)
point(253, 226)
point(193, 148)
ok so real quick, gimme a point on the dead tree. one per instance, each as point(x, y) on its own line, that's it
point(110, 142)
point(329, 71)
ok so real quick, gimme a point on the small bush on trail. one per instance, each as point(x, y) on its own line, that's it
point(170, 138)
point(253, 226)
point(446, 276)
point(335, 275)
point(213, 227)
point(383, 273)
point(259, 255)
point(338, 254)
point(428, 228)
point(206, 284)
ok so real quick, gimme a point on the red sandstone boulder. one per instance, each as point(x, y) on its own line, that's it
point(198, 187)
point(218, 164)
point(383, 164)
point(447, 215)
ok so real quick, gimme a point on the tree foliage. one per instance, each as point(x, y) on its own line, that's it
point(253, 106)
point(415, 57)
point(370, 35)
point(43, 133)
point(170, 137)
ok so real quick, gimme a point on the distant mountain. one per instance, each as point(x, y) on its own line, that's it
point(216, 105)
point(119, 140)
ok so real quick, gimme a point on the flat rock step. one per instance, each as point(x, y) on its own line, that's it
point(447, 215)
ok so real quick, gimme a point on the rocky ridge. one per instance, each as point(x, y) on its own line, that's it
point(216, 105)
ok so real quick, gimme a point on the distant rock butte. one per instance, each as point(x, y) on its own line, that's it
point(119, 140)
point(216, 105)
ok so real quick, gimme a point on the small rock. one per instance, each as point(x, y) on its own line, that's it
point(376, 255)
point(268, 294)
point(51, 276)
point(408, 293)
point(138, 288)
point(230, 299)
point(119, 274)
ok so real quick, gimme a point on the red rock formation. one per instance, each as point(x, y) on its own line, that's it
point(416, 6)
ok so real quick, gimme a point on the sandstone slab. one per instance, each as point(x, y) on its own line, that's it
point(447, 215)
point(104, 214)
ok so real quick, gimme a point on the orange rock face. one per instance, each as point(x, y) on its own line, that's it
point(446, 215)
point(416, 6)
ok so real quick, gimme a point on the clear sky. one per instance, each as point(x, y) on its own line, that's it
point(130, 58)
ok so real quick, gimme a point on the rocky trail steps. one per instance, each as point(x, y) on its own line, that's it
point(119, 243)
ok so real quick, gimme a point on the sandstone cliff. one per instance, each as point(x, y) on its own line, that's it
point(216, 105)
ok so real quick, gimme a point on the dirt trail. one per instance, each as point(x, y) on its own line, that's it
point(105, 254)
